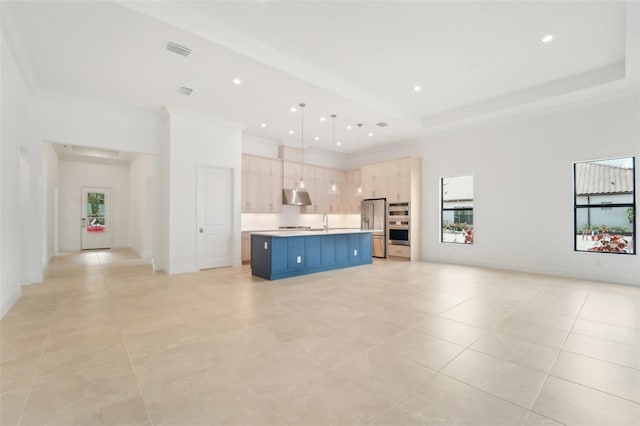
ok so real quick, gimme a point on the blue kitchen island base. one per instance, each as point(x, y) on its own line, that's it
point(283, 255)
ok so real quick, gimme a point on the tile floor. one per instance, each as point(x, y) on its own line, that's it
point(105, 341)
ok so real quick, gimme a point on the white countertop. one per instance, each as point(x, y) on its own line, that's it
point(299, 233)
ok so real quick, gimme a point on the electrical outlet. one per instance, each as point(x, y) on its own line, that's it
point(266, 245)
point(355, 252)
point(299, 259)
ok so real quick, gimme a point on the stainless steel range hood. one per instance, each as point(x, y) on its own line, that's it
point(296, 197)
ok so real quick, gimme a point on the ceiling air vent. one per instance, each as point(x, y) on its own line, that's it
point(180, 50)
point(382, 124)
point(185, 91)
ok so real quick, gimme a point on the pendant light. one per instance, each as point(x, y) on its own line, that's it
point(333, 188)
point(300, 187)
point(298, 195)
point(359, 189)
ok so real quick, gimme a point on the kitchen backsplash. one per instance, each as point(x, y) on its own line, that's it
point(291, 216)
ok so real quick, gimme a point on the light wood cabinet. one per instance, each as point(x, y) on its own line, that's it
point(261, 185)
point(399, 251)
point(245, 251)
point(349, 200)
point(398, 180)
point(399, 188)
point(389, 179)
point(319, 181)
point(291, 172)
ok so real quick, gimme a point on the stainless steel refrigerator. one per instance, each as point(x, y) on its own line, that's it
point(373, 216)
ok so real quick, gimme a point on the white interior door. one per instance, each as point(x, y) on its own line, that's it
point(96, 218)
point(215, 224)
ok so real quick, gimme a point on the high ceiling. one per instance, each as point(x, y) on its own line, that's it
point(359, 60)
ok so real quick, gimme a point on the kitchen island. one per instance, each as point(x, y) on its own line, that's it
point(283, 254)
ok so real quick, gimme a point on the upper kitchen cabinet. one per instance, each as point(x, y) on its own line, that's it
point(350, 200)
point(313, 179)
point(399, 188)
point(399, 180)
point(291, 173)
point(319, 181)
point(392, 179)
point(261, 185)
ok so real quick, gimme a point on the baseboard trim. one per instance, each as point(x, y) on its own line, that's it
point(597, 276)
point(184, 269)
point(8, 303)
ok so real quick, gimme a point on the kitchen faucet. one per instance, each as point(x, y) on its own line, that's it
point(325, 222)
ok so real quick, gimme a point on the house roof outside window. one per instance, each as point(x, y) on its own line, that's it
point(458, 188)
point(599, 178)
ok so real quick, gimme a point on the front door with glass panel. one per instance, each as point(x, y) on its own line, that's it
point(96, 219)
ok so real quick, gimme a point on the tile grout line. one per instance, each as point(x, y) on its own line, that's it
point(412, 328)
point(135, 374)
point(260, 397)
point(602, 360)
point(544, 382)
point(468, 347)
point(597, 390)
point(439, 371)
point(331, 369)
point(40, 359)
point(359, 353)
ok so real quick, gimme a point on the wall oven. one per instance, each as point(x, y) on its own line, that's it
point(399, 211)
point(398, 224)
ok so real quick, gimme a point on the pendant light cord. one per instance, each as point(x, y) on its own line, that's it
point(302, 105)
point(334, 131)
point(360, 155)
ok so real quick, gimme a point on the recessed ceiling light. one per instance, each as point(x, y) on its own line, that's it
point(316, 138)
point(237, 81)
point(293, 109)
point(417, 88)
point(338, 143)
point(185, 91)
point(370, 134)
point(349, 127)
point(322, 119)
point(547, 38)
point(291, 132)
point(263, 124)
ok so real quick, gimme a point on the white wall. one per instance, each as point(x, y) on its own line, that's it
point(77, 122)
point(522, 168)
point(18, 170)
point(197, 140)
point(260, 146)
point(265, 147)
point(25, 215)
point(73, 176)
point(161, 223)
point(49, 203)
point(142, 204)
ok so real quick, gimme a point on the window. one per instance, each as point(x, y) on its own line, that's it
point(604, 206)
point(456, 209)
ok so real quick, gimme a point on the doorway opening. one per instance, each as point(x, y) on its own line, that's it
point(96, 218)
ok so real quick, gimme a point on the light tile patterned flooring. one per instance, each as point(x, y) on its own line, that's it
point(104, 341)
